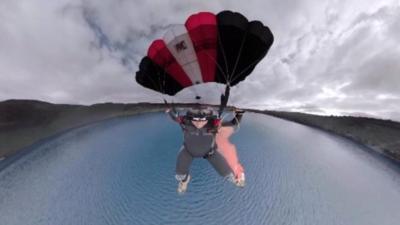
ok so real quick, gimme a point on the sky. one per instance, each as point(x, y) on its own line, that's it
point(329, 57)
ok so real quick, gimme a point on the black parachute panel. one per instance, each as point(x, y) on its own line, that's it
point(241, 45)
point(152, 76)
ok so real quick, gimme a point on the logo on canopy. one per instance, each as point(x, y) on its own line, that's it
point(180, 46)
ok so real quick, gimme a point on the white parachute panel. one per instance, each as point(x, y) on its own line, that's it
point(181, 47)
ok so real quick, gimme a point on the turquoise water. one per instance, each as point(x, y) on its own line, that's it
point(121, 171)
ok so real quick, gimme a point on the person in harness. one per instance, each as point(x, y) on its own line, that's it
point(200, 128)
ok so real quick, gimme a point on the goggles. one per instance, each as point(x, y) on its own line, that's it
point(198, 119)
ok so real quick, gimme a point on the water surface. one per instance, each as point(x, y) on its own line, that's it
point(121, 171)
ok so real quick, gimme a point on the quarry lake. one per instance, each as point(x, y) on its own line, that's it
point(121, 171)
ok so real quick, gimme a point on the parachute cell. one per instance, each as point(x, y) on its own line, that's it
point(180, 45)
point(202, 28)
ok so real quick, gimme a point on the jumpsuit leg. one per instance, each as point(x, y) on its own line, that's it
point(183, 163)
point(228, 150)
point(220, 164)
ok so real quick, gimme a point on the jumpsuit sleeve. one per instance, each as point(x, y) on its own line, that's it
point(235, 121)
point(175, 117)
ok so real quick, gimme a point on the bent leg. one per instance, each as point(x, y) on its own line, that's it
point(183, 163)
point(228, 150)
point(220, 164)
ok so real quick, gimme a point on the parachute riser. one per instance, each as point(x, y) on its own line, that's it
point(224, 100)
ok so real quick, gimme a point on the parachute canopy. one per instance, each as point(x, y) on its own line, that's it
point(222, 48)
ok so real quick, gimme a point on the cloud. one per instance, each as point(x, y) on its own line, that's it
point(328, 56)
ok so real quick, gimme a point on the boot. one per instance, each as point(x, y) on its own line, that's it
point(182, 186)
point(241, 180)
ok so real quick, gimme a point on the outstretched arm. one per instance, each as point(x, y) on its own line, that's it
point(174, 115)
point(236, 120)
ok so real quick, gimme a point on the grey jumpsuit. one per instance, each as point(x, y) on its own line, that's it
point(199, 143)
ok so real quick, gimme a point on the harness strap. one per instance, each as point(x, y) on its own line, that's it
point(210, 153)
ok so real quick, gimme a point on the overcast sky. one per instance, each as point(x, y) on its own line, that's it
point(329, 56)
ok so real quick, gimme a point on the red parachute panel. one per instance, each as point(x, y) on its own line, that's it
point(202, 29)
point(159, 53)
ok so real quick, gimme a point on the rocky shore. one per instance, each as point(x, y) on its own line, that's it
point(25, 122)
point(381, 136)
